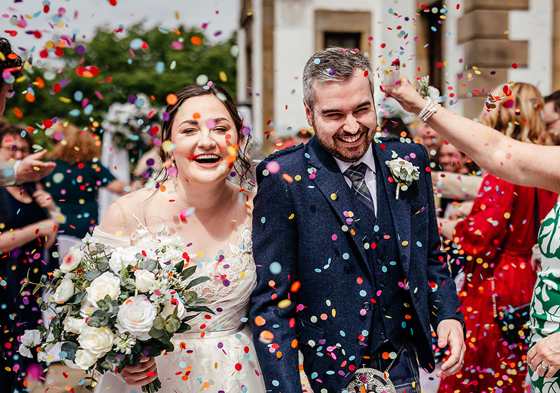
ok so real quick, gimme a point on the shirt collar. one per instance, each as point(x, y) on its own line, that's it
point(366, 159)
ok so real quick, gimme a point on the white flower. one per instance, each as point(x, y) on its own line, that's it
point(105, 284)
point(29, 340)
point(125, 343)
point(72, 259)
point(136, 316)
point(87, 308)
point(85, 359)
point(64, 291)
point(144, 280)
point(98, 341)
point(90, 239)
point(74, 325)
point(403, 172)
point(123, 257)
point(170, 305)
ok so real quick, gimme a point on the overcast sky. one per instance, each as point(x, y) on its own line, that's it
point(81, 17)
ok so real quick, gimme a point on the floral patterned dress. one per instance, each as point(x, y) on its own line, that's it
point(545, 307)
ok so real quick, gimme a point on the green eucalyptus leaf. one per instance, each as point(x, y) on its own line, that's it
point(188, 272)
point(92, 275)
point(196, 281)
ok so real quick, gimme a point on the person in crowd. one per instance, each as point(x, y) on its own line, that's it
point(431, 140)
point(529, 165)
point(303, 136)
point(394, 126)
point(348, 263)
point(452, 161)
point(203, 128)
point(77, 178)
point(552, 116)
point(498, 236)
point(17, 171)
point(27, 235)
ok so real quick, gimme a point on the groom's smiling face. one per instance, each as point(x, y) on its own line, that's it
point(343, 116)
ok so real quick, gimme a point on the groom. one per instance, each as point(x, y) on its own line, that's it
point(348, 274)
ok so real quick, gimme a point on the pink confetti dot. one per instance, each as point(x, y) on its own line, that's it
point(273, 167)
point(334, 237)
point(177, 45)
point(183, 214)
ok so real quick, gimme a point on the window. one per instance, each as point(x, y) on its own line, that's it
point(342, 40)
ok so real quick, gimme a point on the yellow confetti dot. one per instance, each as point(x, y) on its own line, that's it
point(334, 312)
point(65, 100)
point(118, 233)
point(333, 197)
point(167, 146)
point(242, 275)
point(284, 303)
point(223, 76)
point(405, 243)
point(507, 215)
point(49, 358)
point(291, 216)
point(200, 254)
point(81, 201)
point(297, 178)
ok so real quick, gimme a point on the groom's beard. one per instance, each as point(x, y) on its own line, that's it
point(344, 153)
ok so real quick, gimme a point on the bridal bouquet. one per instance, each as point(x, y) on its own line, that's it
point(114, 305)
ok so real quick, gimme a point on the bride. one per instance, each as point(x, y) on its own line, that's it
point(201, 140)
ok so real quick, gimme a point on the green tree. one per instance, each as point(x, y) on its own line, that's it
point(123, 72)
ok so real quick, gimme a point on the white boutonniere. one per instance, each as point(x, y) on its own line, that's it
point(404, 174)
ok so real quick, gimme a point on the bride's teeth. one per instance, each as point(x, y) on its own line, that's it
point(207, 156)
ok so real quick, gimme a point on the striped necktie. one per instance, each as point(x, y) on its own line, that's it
point(356, 174)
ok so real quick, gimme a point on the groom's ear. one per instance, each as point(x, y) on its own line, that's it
point(308, 113)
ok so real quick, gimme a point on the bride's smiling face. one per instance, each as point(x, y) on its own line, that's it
point(202, 131)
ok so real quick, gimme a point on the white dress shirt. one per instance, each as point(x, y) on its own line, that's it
point(371, 182)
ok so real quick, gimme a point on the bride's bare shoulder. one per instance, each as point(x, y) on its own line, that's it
point(123, 214)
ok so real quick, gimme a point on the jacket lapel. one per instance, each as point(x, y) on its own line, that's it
point(330, 181)
point(400, 209)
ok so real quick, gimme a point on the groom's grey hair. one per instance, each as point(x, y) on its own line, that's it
point(333, 64)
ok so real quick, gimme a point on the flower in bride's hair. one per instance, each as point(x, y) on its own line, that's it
point(29, 340)
point(64, 291)
point(123, 257)
point(72, 259)
point(136, 316)
point(144, 280)
point(84, 359)
point(105, 284)
point(98, 341)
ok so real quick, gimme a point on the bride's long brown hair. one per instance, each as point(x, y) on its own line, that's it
point(242, 165)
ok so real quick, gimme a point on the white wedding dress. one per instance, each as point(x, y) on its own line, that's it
point(217, 355)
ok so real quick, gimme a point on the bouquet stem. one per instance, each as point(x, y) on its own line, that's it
point(152, 387)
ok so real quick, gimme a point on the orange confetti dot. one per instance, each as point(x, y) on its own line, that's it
point(360, 280)
point(288, 178)
point(278, 354)
point(295, 286)
point(196, 40)
point(18, 113)
point(171, 99)
point(162, 188)
point(29, 97)
point(294, 343)
point(196, 115)
point(259, 321)
point(385, 355)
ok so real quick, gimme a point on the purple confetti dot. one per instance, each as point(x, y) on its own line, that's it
point(145, 352)
point(226, 282)
point(25, 301)
point(219, 309)
point(332, 72)
point(63, 82)
point(220, 345)
point(132, 98)
point(150, 161)
point(80, 49)
point(165, 116)
point(226, 266)
point(217, 33)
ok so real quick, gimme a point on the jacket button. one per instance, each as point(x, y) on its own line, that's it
point(384, 309)
point(381, 285)
point(382, 336)
point(377, 238)
point(366, 306)
point(379, 260)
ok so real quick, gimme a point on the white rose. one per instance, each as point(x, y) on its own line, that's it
point(72, 259)
point(136, 316)
point(98, 341)
point(105, 284)
point(87, 308)
point(64, 291)
point(123, 257)
point(74, 325)
point(169, 307)
point(144, 280)
point(409, 174)
point(85, 359)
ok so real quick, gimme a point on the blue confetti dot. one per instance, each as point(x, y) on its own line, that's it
point(317, 61)
point(183, 364)
point(63, 354)
point(345, 256)
point(263, 220)
point(78, 95)
point(363, 293)
point(275, 268)
point(342, 333)
point(136, 43)
point(275, 382)
point(419, 244)
point(74, 112)
point(160, 67)
point(244, 319)
point(82, 381)
point(88, 109)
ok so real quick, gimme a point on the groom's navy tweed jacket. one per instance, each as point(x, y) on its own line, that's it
point(318, 285)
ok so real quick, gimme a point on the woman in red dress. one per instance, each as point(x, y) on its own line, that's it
point(498, 236)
